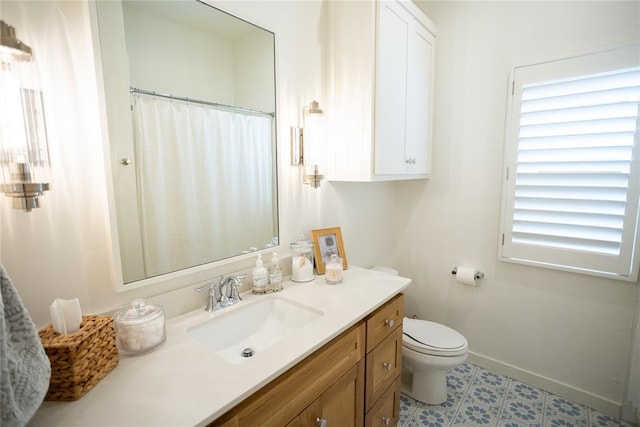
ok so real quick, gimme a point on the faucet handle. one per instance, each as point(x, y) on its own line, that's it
point(202, 287)
point(214, 301)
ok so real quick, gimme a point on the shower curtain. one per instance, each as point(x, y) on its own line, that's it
point(223, 159)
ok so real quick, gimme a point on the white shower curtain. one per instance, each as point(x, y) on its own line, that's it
point(223, 160)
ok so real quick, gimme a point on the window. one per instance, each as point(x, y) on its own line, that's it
point(571, 165)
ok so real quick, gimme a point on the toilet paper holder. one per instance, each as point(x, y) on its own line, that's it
point(478, 275)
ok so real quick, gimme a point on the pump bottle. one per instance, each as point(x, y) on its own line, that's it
point(275, 275)
point(260, 277)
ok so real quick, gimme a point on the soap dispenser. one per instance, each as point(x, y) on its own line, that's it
point(275, 274)
point(260, 277)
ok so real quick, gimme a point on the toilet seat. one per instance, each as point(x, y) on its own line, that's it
point(432, 338)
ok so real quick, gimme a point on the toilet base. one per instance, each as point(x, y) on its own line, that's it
point(427, 388)
point(424, 377)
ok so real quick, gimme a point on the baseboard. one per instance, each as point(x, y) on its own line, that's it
point(598, 403)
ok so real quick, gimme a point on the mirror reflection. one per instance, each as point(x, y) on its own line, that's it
point(196, 181)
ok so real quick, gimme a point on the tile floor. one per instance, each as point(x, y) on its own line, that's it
point(478, 397)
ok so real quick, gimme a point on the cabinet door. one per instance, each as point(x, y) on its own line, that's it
point(419, 96)
point(341, 405)
point(404, 74)
point(391, 87)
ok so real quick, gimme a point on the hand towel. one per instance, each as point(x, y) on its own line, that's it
point(25, 369)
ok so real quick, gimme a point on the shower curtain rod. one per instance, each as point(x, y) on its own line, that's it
point(199, 101)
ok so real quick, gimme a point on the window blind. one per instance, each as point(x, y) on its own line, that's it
point(574, 158)
point(572, 169)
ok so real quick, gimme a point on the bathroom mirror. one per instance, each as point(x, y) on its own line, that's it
point(190, 105)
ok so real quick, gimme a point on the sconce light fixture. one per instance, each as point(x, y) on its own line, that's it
point(24, 153)
point(313, 178)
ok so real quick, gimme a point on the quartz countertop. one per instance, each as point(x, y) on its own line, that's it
point(182, 383)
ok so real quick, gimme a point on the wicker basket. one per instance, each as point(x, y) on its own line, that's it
point(81, 359)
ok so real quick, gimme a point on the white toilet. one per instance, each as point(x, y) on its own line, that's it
point(429, 350)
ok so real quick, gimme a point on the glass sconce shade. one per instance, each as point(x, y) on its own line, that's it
point(299, 151)
point(24, 153)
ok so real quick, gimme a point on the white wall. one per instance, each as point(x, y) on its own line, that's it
point(570, 328)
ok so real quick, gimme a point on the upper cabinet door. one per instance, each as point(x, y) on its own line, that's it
point(391, 88)
point(419, 100)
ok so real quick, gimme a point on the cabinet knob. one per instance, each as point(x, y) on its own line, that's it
point(389, 323)
point(411, 161)
point(321, 422)
point(386, 421)
point(388, 366)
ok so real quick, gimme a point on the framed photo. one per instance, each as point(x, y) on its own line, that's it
point(326, 242)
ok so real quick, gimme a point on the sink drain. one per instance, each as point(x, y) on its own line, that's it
point(247, 352)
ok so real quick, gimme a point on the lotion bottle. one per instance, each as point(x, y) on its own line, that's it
point(275, 274)
point(260, 277)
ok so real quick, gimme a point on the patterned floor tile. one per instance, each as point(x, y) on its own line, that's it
point(521, 412)
point(601, 420)
point(479, 397)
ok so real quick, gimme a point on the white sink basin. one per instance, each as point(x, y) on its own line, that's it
point(256, 326)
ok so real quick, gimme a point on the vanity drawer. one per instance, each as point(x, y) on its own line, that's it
point(384, 320)
point(386, 411)
point(383, 367)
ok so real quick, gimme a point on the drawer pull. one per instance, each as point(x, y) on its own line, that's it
point(388, 366)
point(321, 422)
point(389, 323)
point(386, 421)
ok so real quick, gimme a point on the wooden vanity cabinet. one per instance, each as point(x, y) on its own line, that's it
point(383, 364)
point(337, 385)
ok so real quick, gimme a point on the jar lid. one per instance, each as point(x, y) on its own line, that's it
point(334, 259)
point(301, 245)
point(139, 312)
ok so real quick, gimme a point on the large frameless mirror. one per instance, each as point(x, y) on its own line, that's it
point(190, 100)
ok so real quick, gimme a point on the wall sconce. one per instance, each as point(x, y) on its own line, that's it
point(24, 154)
point(313, 178)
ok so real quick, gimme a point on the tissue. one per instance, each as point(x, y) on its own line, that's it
point(66, 315)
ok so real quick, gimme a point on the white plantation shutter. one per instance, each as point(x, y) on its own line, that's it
point(571, 199)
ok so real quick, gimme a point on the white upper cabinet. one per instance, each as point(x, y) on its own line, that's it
point(380, 91)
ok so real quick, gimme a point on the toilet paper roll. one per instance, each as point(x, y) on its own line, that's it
point(466, 275)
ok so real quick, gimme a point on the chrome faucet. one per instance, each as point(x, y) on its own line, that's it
point(232, 284)
point(217, 298)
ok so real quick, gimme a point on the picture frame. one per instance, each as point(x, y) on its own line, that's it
point(327, 241)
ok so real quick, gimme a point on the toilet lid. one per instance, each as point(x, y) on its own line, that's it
point(432, 338)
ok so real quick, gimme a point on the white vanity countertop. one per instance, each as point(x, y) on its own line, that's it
point(184, 384)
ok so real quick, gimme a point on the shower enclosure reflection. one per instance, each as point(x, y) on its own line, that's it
point(190, 96)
